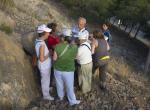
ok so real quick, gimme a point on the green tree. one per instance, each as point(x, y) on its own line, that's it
point(132, 12)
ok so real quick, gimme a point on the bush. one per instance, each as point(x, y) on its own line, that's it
point(7, 29)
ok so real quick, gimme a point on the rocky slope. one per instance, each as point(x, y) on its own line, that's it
point(18, 81)
point(18, 84)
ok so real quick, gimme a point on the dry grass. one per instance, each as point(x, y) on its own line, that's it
point(6, 4)
point(119, 68)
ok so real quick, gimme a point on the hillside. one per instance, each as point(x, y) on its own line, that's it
point(128, 86)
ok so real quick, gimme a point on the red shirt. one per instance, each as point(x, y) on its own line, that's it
point(52, 40)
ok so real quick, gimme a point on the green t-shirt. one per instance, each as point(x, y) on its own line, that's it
point(66, 61)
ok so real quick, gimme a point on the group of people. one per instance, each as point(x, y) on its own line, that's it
point(74, 54)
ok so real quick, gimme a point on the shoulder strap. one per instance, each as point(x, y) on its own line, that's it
point(86, 46)
point(37, 42)
point(63, 52)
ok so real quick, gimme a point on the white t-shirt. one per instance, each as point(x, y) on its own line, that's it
point(84, 55)
point(76, 31)
point(47, 63)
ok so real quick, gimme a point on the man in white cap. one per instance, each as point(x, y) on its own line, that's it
point(44, 60)
point(76, 30)
point(84, 59)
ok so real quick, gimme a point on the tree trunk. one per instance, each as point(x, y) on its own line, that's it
point(108, 19)
point(131, 29)
point(147, 62)
point(119, 23)
point(126, 26)
point(139, 27)
point(114, 21)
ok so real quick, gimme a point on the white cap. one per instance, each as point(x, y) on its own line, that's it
point(82, 36)
point(67, 32)
point(43, 28)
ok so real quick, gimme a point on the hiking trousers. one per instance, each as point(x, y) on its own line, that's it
point(65, 80)
point(45, 81)
point(85, 77)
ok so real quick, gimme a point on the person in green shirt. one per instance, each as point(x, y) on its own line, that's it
point(64, 55)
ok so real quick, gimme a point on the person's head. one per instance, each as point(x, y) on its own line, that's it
point(66, 35)
point(82, 38)
point(43, 31)
point(52, 26)
point(81, 22)
point(104, 26)
point(91, 36)
point(98, 35)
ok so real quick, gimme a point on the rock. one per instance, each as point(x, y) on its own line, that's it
point(17, 81)
point(28, 42)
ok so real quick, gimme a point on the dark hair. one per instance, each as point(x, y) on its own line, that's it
point(98, 35)
point(65, 38)
point(68, 39)
point(105, 23)
point(41, 34)
point(52, 26)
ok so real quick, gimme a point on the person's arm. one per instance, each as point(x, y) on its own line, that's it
point(108, 47)
point(55, 56)
point(41, 56)
point(94, 45)
point(78, 53)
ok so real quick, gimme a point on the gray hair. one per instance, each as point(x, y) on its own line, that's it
point(83, 19)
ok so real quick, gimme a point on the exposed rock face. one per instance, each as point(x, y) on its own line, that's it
point(28, 42)
point(17, 80)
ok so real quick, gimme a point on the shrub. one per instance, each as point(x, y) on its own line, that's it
point(7, 29)
point(119, 68)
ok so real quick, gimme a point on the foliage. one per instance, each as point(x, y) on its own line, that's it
point(92, 9)
point(129, 11)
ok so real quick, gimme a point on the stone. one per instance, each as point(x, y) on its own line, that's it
point(27, 42)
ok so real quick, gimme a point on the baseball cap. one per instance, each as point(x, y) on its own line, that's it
point(67, 32)
point(43, 28)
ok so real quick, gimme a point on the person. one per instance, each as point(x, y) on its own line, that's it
point(52, 41)
point(44, 60)
point(64, 67)
point(80, 28)
point(106, 33)
point(84, 59)
point(101, 56)
point(76, 30)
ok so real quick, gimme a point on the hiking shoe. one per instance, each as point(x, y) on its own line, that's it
point(58, 99)
point(49, 98)
point(76, 103)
